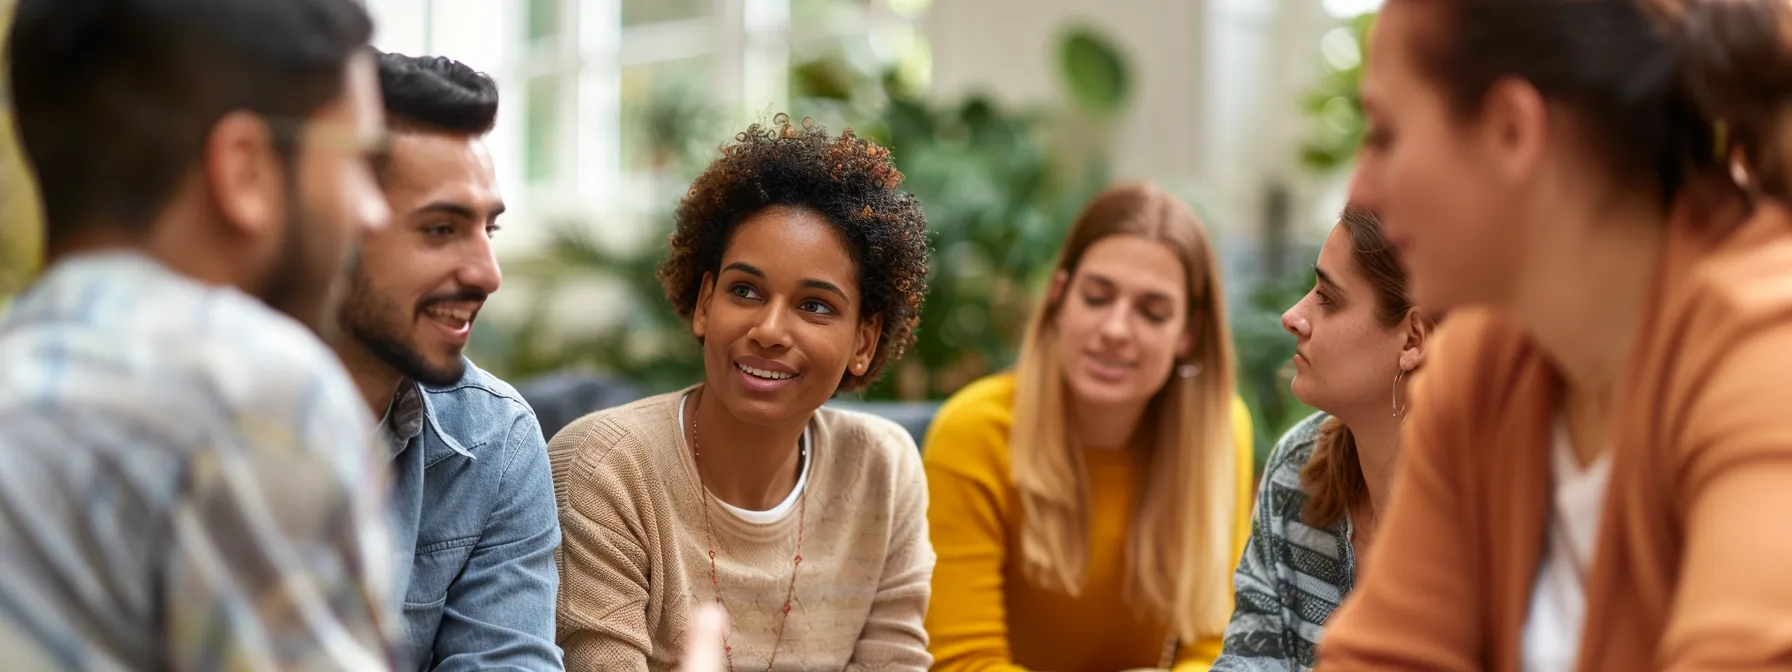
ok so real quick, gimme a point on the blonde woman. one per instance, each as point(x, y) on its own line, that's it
point(1087, 508)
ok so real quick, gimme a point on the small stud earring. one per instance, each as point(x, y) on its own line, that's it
point(1188, 370)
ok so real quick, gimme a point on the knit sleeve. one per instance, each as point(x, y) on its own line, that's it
point(968, 623)
point(1200, 655)
point(1258, 638)
point(603, 602)
point(893, 638)
point(1734, 596)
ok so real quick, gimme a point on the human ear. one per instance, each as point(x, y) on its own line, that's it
point(869, 334)
point(1514, 122)
point(244, 175)
point(700, 313)
point(1418, 328)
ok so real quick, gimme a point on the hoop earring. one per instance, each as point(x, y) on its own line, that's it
point(1399, 407)
point(1188, 370)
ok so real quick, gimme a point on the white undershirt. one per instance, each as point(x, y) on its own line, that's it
point(783, 508)
point(1551, 637)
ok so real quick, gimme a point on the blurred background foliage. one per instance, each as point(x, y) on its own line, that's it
point(1334, 107)
point(1000, 186)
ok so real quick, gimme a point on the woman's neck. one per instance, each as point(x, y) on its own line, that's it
point(1582, 298)
point(1106, 427)
point(747, 466)
point(1377, 437)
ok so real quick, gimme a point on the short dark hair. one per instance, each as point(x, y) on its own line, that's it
point(438, 93)
point(850, 181)
point(114, 100)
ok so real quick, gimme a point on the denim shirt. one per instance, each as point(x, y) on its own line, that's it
point(475, 526)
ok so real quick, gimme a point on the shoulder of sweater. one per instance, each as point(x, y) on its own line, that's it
point(969, 433)
point(1296, 446)
point(1475, 354)
point(879, 442)
point(1740, 284)
point(986, 399)
point(1286, 460)
point(622, 434)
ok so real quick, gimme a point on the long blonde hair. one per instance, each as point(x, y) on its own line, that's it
point(1179, 549)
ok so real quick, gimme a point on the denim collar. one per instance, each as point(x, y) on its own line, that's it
point(407, 416)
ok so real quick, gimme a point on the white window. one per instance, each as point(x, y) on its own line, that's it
point(592, 88)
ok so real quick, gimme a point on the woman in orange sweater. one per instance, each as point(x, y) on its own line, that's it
point(1600, 455)
point(1088, 508)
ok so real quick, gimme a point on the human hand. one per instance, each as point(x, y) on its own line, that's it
point(703, 645)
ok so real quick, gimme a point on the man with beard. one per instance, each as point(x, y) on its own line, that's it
point(186, 479)
point(473, 496)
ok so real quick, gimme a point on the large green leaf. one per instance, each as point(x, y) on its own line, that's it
point(1094, 71)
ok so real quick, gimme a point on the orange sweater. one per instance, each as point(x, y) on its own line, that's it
point(985, 614)
point(1690, 571)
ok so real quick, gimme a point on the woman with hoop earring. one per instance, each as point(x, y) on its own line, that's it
point(1330, 475)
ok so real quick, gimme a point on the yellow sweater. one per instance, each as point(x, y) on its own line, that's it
point(985, 615)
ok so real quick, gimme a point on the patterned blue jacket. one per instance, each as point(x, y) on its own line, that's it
point(1292, 575)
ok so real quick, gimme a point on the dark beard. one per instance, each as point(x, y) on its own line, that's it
point(406, 360)
point(373, 324)
point(292, 286)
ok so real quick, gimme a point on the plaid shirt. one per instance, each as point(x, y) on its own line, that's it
point(186, 483)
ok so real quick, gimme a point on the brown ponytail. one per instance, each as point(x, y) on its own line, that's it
point(1333, 475)
point(1737, 63)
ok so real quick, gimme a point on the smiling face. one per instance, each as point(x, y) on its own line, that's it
point(1345, 357)
point(780, 323)
point(1122, 320)
point(1433, 176)
point(422, 280)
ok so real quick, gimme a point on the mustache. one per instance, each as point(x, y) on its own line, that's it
point(462, 295)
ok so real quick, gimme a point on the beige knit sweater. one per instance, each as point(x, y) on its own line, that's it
point(634, 560)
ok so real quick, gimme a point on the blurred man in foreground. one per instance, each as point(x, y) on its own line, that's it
point(186, 480)
point(474, 521)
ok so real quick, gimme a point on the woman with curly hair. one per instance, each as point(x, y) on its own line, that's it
point(801, 264)
point(1089, 506)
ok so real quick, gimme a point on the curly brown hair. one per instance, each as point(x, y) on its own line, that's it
point(848, 180)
